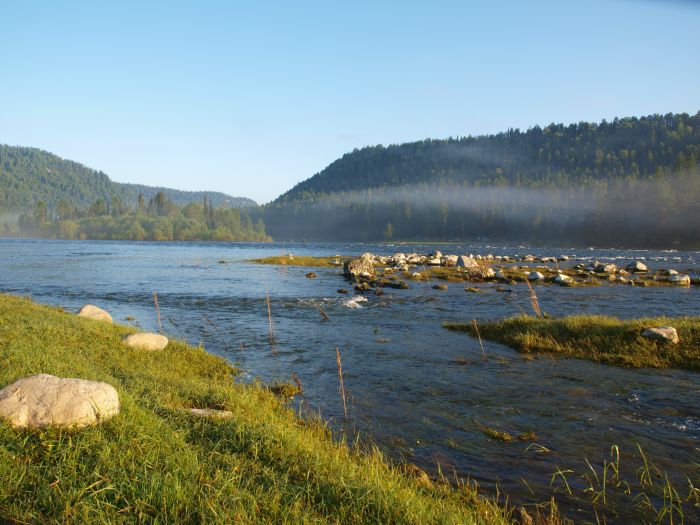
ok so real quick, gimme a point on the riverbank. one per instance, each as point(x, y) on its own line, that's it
point(596, 338)
point(155, 462)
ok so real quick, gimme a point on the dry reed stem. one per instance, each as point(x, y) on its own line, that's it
point(155, 300)
point(533, 300)
point(476, 328)
point(211, 323)
point(297, 381)
point(322, 312)
point(342, 386)
point(273, 342)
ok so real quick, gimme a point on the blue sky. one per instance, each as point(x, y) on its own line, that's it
point(251, 98)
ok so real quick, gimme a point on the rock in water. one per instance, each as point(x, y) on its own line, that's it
point(563, 279)
point(45, 400)
point(605, 268)
point(364, 265)
point(93, 312)
point(146, 341)
point(464, 261)
point(680, 279)
point(667, 334)
point(637, 267)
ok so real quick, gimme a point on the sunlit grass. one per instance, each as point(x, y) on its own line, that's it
point(598, 338)
point(156, 463)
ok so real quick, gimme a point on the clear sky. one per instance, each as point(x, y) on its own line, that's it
point(250, 98)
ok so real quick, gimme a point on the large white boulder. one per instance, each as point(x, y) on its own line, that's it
point(93, 312)
point(667, 334)
point(535, 276)
point(146, 341)
point(465, 261)
point(45, 400)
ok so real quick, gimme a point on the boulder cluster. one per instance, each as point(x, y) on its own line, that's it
point(43, 400)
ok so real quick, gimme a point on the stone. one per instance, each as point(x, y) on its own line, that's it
point(637, 267)
point(44, 400)
point(436, 261)
point(311, 275)
point(146, 341)
point(680, 279)
point(563, 279)
point(209, 413)
point(666, 334)
point(671, 272)
point(364, 265)
point(604, 268)
point(440, 287)
point(464, 261)
point(535, 276)
point(91, 311)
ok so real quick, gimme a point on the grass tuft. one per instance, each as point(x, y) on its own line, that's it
point(597, 338)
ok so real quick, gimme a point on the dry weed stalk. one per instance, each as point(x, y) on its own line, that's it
point(342, 386)
point(155, 300)
point(273, 342)
point(533, 300)
point(481, 344)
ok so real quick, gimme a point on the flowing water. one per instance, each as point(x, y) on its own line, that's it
point(407, 391)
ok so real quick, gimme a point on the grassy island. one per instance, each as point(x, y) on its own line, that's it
point(156, 463)
point(597, 338)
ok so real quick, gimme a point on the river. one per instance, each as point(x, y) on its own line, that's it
point(407, 391)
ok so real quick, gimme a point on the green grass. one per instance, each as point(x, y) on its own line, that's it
point(154, 463)
point(310, 262)
point(597, 338)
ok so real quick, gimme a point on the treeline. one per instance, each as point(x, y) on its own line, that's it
point(630, 182)
point(158, 219)
point(30, 175)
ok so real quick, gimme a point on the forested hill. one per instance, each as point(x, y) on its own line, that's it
point(30, 175)
point(555, 155)
point(632, 182)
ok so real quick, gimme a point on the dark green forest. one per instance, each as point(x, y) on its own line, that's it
point(30, 175)
point(158, 219)
point(629, 182)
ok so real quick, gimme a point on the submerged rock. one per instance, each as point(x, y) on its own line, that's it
point(146, 341)
point(667, 334)
point(45, 400)
point(440, 287)
point(91, 311)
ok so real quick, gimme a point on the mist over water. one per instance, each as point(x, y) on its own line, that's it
point(649, 212)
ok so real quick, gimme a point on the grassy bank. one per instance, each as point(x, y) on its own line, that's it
point(296, 260)
point(155, 463)
point(597, 338)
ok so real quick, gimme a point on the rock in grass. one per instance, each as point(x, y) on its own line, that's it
point(44, 400)
point(146, 341)
point(535, 276)
point(209, 413)
point(666, 334)
point(605, 268)
point(93, 312)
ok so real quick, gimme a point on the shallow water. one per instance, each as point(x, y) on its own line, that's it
point(407, 392)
